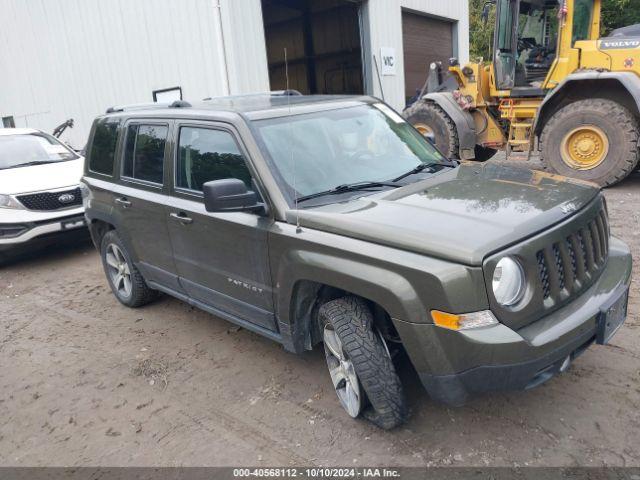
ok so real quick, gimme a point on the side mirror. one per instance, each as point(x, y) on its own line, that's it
point(229, 195)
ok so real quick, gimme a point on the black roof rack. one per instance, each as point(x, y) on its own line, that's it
point(146, 106)
point(274, 93)
point(180, 104)
point(286, 93)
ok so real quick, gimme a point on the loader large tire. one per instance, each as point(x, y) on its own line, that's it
point(428, 117)
point(594, 140)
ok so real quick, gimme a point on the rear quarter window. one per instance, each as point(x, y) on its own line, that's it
point(144, 152)
point(103, 148)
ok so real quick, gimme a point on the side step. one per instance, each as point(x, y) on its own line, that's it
point(521, 137)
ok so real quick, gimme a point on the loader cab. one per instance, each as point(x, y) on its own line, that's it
point(525, 44)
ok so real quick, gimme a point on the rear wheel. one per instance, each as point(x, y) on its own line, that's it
point(359, 363)
point(125, 280)
point(431, 120)
point(594, 140)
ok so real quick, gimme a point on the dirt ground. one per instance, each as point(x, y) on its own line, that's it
point(86, 381)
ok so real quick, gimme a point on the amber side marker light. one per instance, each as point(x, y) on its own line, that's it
point(465, 321)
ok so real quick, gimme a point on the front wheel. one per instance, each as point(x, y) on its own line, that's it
point(594, 140)
point(359, 363)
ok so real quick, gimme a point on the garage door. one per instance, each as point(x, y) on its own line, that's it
point(426, 40)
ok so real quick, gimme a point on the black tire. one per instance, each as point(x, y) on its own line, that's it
point(352, 321)
point(484, 153)
point(618, 124)
point(140, 294)
point(443, 128)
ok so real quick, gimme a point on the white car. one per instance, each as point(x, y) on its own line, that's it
point(40, 196)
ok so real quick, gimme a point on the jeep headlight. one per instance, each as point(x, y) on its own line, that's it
point(508, 282)
point(7, 201)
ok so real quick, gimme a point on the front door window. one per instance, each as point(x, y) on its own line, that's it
point(205, 155)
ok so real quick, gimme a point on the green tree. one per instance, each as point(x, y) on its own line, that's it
point(615, 14)
point(480, 31)
point(619, 13)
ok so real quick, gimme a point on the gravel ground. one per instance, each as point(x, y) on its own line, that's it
point(85, 381)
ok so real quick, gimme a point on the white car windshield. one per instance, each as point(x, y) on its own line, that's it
point(32, 149)
point(315, 152)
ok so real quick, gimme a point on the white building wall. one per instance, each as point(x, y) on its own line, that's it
point(244, 43)
point(64, 59)
point(384, 20)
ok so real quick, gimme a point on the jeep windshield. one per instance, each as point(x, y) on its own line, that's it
point(349, 151)
point(22, 150)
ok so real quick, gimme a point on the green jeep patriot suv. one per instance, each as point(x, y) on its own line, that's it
point(312, 219)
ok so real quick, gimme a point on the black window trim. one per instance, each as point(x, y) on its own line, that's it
point(112, 176)
point(213, 125)
point(123, 145)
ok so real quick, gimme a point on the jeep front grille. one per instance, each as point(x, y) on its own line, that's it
point(47, 201)
point(568, 266)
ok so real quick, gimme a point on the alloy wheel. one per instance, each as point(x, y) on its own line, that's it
point(119, 271)
point(343, 375)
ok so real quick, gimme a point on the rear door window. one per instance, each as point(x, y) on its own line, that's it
point(103, 147)
point(144, 152)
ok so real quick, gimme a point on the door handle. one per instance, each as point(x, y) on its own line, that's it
point(123, 202)
point(182, 218)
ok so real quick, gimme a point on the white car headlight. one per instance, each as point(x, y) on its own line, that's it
point(508, 282)
point(86, 193)
point(7, 201)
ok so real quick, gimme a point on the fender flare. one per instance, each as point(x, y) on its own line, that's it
point(627, 80)
point(463, 120)
point(115, 222)
point(391, 291)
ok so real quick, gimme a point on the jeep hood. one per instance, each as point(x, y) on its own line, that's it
point(461, 214)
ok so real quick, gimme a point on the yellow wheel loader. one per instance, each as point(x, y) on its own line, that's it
point(554, 87)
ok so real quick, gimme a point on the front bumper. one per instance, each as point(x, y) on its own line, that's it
point(453, 365)
point(21, 235)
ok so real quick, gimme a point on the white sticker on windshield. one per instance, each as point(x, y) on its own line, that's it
point(389, 113)
point(54, 149)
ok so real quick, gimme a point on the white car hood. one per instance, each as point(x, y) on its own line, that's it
point(35, 178)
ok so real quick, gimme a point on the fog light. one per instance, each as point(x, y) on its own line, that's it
point(463, 321)
point(11, 231)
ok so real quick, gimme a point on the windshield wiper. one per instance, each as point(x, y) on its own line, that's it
point(29, 164)
point(419, 169)
point(430, 166)
point(348, 187)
